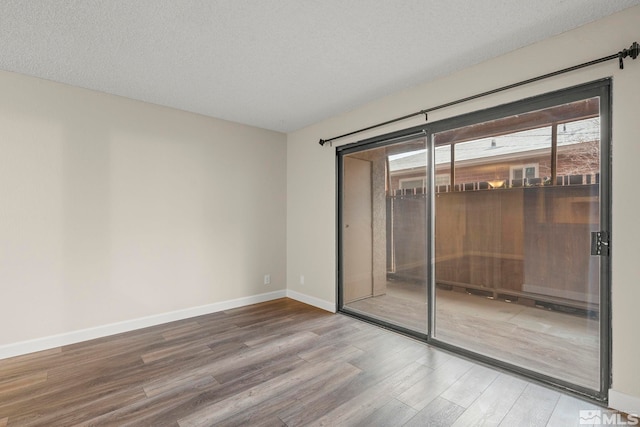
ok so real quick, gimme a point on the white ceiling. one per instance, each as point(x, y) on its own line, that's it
point(275, 64)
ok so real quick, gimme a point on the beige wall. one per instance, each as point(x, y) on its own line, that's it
point(311, 180)
point(112, 209)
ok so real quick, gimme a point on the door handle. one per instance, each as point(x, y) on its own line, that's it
point(600, 243)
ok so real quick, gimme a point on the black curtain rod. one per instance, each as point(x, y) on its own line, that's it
point(633, 52)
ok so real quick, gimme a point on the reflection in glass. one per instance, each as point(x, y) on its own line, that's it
point(514, 203)
point(384, 229)
point(514, 279)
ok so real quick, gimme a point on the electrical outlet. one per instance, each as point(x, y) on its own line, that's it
point(301, 279)
point(267, 279)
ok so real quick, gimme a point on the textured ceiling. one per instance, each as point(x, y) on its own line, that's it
point(276, 64)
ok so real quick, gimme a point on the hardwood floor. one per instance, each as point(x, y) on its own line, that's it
point(280, 363)
point(557, 344)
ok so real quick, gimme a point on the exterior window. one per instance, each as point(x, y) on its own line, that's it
point(524, 171)
point(407, 183)
point(443, 179)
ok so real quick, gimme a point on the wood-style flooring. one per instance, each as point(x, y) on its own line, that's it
point(279, 363)
point(557, 344)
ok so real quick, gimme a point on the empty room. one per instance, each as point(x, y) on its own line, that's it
point(291, 213)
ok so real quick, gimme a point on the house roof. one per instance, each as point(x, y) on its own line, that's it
point(503, 146)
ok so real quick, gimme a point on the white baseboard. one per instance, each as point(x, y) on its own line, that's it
point(316, 302)
point(46, 343)
point(624, 402)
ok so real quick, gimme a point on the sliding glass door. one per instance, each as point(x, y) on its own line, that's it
point(514, 276)
point(487, 234)
point(383, 228)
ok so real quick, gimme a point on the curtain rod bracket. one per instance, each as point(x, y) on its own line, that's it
point(324, 141)
point(633, 52)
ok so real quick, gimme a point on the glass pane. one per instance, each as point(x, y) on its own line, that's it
point(411, 183)
point(530, 172)
point(517, 173)
point(514, 278)
point(384, 229)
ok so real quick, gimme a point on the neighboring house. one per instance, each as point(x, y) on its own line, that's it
point(504, 220)
point(512, 160)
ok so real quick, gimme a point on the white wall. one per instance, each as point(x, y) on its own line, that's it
point(311, 183)
point(113, 210)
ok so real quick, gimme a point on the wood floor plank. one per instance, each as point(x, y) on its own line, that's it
point(174, 350)
point(439, 412)
point(276, 363)
point(181, 330)
point(394, 413)
point(470, 386)
point(73, 412)
point(259, 421)
point(158, 375)
point(534, 407)
point(256, 334)
point(157, 410)
point(370, 399)
point(338, 352)
point(289, 381)
point(28, 364)
point(75, 391)
point(379, 341)
point(198, 333)
point(31, 360)
point(278, 347)
point(248, 369)
point(434, 358)
point(423, 392)
point(311, 408)
point(495, 402)
point(22, 382)
point(293, 399)
point(395, 378)
point(194, 403)
point(567, 411)
point(176, 383)
point(267, 338)
point(220, 350)
point(555, 343)
point(377, 357)
point(355, 410)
